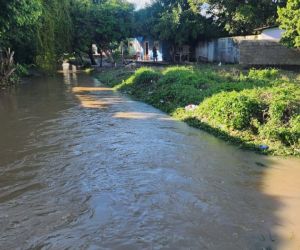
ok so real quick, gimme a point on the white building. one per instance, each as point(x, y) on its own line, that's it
point(270, 33)
point(261, 49)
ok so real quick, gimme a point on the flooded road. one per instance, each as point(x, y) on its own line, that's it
point(82, 167)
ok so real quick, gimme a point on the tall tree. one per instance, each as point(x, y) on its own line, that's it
point(18, 20)
point(38, 30)
point(241, 16)
point(54, 33)
point(176, 21)
point(104, 23)
point(289, 18)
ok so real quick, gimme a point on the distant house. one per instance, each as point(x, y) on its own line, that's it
point(261, 49)
point(141, 49)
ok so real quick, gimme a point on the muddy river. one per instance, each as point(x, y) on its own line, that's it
point(83, 167)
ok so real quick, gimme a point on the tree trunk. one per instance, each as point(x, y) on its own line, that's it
point(112, 59)
point(101, 58)
point(91, 56)
point(173, 53)
point(79, 56)
point(122, 53)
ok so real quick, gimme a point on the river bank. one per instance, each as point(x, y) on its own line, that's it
point(254, 109)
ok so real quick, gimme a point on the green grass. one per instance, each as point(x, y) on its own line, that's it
point(113, 77)
point(249, 108)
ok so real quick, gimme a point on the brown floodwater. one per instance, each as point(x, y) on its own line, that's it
point(83, 167)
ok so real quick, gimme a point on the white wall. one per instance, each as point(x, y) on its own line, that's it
point(272, 34)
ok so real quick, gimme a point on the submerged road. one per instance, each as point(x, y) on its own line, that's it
point(83, 167)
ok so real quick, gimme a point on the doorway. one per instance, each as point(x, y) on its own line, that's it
point(146, 50)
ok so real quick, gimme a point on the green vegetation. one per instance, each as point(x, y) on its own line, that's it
point(54, 33)
point(242, 17)
point(289, 18)
point(253, 109)
point(105, 23)
point(176, 22)
point(37, 31)
point(43, 32)
point(185, 21)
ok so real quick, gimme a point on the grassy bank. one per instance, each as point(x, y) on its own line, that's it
point(256, 109)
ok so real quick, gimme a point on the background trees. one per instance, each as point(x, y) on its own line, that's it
point(18, 20)
point(37, 30)
point(41, 31)
point(240, 17)
point(177, 22)
point(54, 33)
point(289, 18)
point(104, 23)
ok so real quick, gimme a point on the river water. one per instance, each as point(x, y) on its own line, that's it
point(83, 167)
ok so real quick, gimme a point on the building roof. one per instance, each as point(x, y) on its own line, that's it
point(266, 27)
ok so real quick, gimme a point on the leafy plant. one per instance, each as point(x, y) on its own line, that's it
point(232, 110)
point(263, 74)
point(289, 19)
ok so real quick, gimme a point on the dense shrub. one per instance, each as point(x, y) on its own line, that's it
point(232, 110)
point(263, 74)
point(270, 115)
point(141, 83)
point(143, 77)
point(283, 115)
point(182, 76)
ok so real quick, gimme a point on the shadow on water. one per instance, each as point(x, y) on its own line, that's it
point(81, 165)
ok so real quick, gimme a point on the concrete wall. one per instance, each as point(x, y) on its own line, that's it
point(228, 50)
point(266, 52)
point(248, 50)
point(218, 50)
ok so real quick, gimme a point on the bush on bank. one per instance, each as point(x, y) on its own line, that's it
point(258, 109)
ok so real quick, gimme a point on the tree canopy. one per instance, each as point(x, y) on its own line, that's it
point(104, 23)
point(241, 17)
point(289, 18)
point(18, 20)
point(177, 22)
point(41, 31)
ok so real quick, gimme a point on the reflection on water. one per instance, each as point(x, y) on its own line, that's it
point(89, 99)
point(136, 115)
point(81, 165)
point(69, 73)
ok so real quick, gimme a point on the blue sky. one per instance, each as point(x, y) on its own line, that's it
point(139, 3)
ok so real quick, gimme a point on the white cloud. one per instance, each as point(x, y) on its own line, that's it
point(139, 3)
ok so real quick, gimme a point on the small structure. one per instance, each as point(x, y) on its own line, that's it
point(261, 49)
point(141, 49)
point(270, 33)
point(182, 54)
